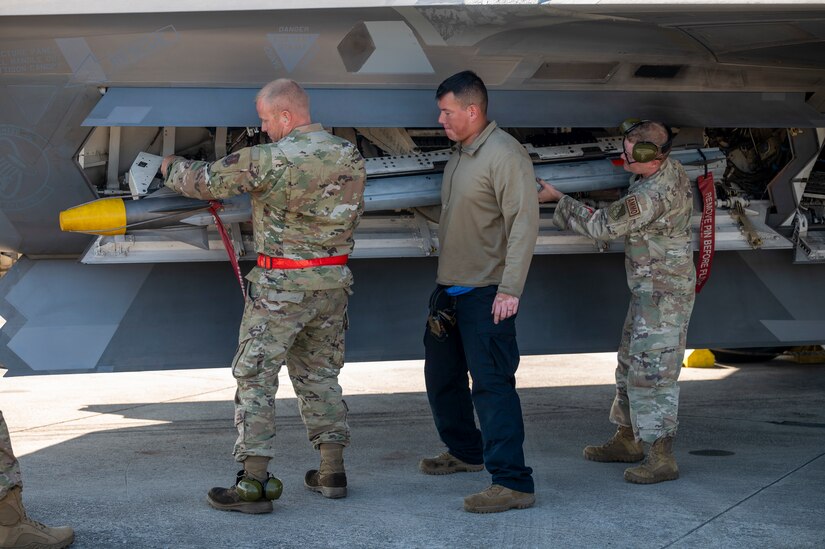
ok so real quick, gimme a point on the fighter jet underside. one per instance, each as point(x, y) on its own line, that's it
point(89, 103)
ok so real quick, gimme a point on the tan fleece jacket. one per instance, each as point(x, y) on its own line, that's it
point(489, 214)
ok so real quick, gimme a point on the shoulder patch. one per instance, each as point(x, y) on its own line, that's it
point(617, 210)
point(231, 159)
point(633, 209)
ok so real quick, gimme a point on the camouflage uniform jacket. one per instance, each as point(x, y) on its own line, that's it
point(654, 218)
point(307, 195)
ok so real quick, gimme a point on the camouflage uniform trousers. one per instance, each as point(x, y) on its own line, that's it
point(649, 361)
point(305, 330)
point(9, 468)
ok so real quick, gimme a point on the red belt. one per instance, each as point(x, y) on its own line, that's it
point(267, 262)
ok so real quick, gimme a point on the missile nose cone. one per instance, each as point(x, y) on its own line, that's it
point(106, 216)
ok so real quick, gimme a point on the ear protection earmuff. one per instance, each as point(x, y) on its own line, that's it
point(645, 151)
point(250, 489)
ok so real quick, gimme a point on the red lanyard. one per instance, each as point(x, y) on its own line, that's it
point(214, 206)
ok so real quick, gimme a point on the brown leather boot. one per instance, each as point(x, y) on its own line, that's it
point(256, 467)
point(622, 446)
point(329, 479)
point(497, 498)
point(229, 499)
point(445, 464)
point(253, 491)
point(658, 466)
point(19, 531)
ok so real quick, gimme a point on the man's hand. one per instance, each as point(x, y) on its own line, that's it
point(504, 306)
point(548, 192)
point(164, 166)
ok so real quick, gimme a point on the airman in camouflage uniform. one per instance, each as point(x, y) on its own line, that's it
point(307, 197)
point(9, 468)
point(17, 530)
point(654, 219)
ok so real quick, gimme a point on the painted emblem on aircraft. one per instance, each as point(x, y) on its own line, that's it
point(24, 168)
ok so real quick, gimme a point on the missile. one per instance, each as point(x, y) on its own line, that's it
point(116, 216)
point(164, 208)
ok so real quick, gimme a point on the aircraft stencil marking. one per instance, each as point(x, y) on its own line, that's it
point(291, 46)
point(22, 155)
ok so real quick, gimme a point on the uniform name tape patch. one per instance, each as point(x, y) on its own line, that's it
point(633, 209)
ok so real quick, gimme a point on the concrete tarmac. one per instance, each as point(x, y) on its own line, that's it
point(127, 459)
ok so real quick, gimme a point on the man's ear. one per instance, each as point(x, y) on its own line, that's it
point(473, 111)
point(285, 117)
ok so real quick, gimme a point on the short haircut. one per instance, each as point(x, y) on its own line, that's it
point(468, 89)
point(284, 95)
point(650, 132)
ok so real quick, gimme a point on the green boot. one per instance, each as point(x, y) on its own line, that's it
point(330, 479)
point(658, 466)
point(18, 531)
point(623, 447)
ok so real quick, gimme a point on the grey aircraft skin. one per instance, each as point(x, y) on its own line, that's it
point(85, 87)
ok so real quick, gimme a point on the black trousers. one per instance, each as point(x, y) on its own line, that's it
point(490, 354)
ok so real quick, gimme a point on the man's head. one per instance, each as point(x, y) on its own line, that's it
point(646, 146)
point(282, 106)
point(462, 100)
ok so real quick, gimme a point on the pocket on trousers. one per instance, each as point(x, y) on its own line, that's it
point(249, 358)
point(275, 296)
point(503, 350)
point(655, 327)
point(338, 344)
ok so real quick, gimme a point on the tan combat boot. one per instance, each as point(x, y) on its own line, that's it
point(659, 465)
point(19, 531)
point(623, 447)
point(446, 464)
point(498, 498)
point(329, 479)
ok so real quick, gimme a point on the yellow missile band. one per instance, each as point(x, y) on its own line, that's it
point(104, 217)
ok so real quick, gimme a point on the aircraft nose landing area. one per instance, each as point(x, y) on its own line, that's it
point(127, 458)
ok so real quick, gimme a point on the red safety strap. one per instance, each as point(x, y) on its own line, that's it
point(268, 262)
point(214, 206)
point(707, 229)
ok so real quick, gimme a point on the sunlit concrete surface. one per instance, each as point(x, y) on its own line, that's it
point(127, 459)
